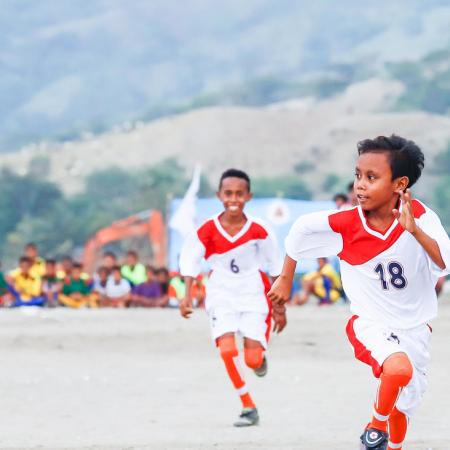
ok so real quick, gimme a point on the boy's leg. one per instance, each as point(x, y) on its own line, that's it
point(229, 354)
point(397, 372)
point(253, 353)
point(68, 301)
point(398, 425)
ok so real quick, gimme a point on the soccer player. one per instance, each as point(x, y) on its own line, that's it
point(392, 250)
point(236, 247)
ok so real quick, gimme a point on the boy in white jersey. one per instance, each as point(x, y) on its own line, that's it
point(392, 251)
point(236, 247)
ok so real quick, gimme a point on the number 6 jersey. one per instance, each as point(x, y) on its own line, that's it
point(236, 262)
point(388, 277)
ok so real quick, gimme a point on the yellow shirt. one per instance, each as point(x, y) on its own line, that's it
point(37, 270)
point(27, 286)
point(328, 271)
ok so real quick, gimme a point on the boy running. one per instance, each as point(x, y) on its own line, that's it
point(392, 251)
point(236, 247)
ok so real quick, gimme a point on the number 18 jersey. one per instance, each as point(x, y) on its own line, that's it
point(236, 263)
point(388, 277)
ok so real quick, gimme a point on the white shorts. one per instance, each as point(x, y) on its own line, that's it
point(374, 343)
point(249, 324)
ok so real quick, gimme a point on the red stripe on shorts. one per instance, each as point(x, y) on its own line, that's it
point(361, 352)
point(267, 284)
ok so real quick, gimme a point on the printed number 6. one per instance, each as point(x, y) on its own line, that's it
point(234, 267)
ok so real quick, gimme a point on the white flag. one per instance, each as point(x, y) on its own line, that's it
point(183, 220)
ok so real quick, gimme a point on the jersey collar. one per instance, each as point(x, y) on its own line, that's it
point(373, 232)
point(227, 236)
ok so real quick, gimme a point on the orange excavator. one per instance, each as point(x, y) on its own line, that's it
point(146, 223)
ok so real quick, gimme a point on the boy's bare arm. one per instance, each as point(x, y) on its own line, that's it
point(186, 308)
point(407, 221)
point(280, 291)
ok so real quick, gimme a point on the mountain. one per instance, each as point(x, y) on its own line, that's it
point(70, 67)
point(314, 138)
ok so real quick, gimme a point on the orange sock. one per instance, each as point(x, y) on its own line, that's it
point(398, 425)
point(254, 356)
point(230, 355)
point(397, 373)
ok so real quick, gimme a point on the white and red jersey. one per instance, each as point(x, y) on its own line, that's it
point(388, 277)
point(235, 261)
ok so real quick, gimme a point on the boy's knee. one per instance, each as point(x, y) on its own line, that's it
point(253, 357)
point(227, 347)
point(398, 367)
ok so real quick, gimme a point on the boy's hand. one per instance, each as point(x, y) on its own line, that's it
point(279, 318)
point(280, 291)
point(186, 308)
point(406, 217)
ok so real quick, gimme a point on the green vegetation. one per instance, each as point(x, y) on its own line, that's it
point(442, 190)
point(34, 209)
point(427, 83)
point(287, 186)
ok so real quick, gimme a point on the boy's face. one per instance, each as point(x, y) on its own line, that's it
point(131, 259)
point(151, 276)
point(162, 276)
point(109, 261)
point(103, 275)
point(322, 262)
point(30, 251)
point(50, 269)
point(25, 267)
point(76, 273)
point(374, 186)
point(67, 264)
point(116, 275)
point(234, 194)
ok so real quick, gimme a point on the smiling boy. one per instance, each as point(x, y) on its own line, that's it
point(237, 248)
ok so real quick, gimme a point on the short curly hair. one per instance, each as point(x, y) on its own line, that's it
point(405, 157)
point(235, 173)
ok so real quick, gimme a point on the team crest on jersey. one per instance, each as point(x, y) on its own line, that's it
point(393, 338)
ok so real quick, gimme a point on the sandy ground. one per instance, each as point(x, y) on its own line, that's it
point(140, 380)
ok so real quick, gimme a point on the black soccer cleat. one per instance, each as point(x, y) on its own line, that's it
point(373, 439)
point(261, 371)
point(249, 417)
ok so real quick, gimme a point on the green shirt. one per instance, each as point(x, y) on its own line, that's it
point(76, 286)
point(135, 274)
point(3, 284)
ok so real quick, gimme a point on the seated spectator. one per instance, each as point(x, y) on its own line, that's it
point(149, 294)
point(341, 201)
point(109, 260)
point(351, 194)
point(51, 284)
point(76, 292)
point(6, 298)
point(198, 291)
point(100, 281)
point(177, 289)
point(25, 288)
point(133, 270)
point(325, 284)
point(65, 269)
point(163, 278)
point(118, 290)
point(37, 269)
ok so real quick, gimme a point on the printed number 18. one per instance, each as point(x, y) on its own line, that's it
point(395, 269)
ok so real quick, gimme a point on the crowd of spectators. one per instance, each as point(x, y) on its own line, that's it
point(52, 283)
